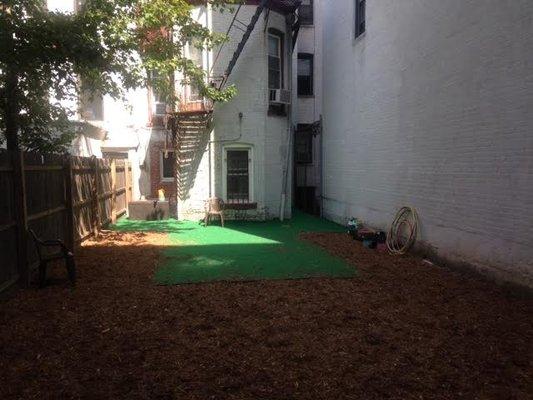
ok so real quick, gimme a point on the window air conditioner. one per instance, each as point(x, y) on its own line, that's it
point(280, 96)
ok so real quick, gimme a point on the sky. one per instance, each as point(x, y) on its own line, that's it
point(60, 5)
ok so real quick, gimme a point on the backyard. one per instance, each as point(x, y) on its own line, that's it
point(167, 310)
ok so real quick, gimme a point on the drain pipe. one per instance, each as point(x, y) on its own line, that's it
point(321, 167)
point(286, 174)
point(283, 200)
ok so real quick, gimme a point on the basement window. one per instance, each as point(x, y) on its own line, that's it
point(238, 174)
point(167, 165)
point(360, 17)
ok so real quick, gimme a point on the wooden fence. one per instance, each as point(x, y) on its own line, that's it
point(64, 197)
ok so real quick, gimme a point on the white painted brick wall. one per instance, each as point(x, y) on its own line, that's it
point(433, 107)
point(266, 134)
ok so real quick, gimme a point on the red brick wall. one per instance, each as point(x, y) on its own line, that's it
point(156, 148)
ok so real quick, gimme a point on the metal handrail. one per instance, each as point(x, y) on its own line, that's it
point(224, 44)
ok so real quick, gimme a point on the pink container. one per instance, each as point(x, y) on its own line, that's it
point(382, 247)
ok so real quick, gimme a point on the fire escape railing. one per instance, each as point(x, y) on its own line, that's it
point(240, 47)
point(220, 81)
point(244, 40)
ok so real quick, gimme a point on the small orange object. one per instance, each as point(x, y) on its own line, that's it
point(161, 194)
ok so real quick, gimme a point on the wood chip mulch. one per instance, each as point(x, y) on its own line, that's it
point(402, 329)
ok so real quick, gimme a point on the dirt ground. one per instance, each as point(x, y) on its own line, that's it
point(401, 330)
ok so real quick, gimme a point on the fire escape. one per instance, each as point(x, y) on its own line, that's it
point(191, 124)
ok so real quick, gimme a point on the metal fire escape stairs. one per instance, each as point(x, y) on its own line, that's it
point(240, 47)
point(189, 127)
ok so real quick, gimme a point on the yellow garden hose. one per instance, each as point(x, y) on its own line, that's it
point(399, 241)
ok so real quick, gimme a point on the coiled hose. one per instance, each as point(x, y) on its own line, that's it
point(403, 231)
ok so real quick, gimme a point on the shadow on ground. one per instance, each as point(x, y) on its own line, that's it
point(243, 251)
point(401, 329)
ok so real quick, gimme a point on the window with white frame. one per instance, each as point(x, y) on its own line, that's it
point(275, 62)
point(195, 53)
point(238, 177)
point(167, 165)
point(158, 101)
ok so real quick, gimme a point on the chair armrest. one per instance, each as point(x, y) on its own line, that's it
point(53, 242)
point(57, 243)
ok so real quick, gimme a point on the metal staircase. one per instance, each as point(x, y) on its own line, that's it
point(190, 129)
point(244, 40)
point(190, 133)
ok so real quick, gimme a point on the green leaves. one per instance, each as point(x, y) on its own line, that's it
point(106, 47)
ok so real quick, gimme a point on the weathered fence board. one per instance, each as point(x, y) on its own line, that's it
point(8, 226)
point(70, 198)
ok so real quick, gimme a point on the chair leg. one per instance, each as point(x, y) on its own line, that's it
point(42, 274)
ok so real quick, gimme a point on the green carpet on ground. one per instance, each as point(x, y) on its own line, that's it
point(242, 251)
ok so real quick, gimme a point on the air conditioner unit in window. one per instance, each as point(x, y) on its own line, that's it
point(160, 108)
point(280, 96)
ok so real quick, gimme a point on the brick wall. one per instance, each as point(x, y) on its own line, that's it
point(267, 135)
point(432, 107)
point(156, 148)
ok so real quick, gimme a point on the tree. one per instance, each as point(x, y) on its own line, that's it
point(48, 59)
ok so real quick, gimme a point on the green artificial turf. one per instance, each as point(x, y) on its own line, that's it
point(242, 250)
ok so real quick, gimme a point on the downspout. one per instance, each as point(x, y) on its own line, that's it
point(288, 157)
point(173, 201)
point(321, 166)
point(209, 67)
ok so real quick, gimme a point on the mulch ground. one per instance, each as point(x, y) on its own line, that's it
point(402, 329)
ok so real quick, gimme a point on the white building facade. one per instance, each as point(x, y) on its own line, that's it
point(430, 104)
point(244, 156)
point(245, 160)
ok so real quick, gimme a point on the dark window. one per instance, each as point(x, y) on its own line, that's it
point(238, 176)
point(303, 144)
point(167, 164)
point(305, 74)
point(360, 17)
point(275, 62)
point(306, 12)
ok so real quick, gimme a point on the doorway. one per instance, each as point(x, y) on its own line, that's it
point(306, 169)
